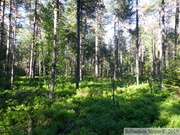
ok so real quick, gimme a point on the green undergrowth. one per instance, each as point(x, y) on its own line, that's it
point(90, 110)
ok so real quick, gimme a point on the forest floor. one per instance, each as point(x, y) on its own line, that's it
point(99, 107)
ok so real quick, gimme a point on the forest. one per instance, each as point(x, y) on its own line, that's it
point(88, 67)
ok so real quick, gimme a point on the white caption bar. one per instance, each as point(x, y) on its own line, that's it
point(151, 131)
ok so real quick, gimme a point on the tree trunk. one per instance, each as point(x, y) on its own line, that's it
point(117, 58)
point(163, 39)
point(159, 54)
point(43, 65)
point(40, 67)
point(96, 47)
point(8, 49)
point(2, 36)
point(40, 61)
point(82, 40)
point(153, 56)
point(2, 23)
point(14, 43)
point(53, 75)
point(176, 29)
point(131, 67)
point(142, 59)
point(137, 44)
point(120, 53)
point(102, 66)
point(78, 43)
point(81, 57)
point(32, 59)
point(116, 46)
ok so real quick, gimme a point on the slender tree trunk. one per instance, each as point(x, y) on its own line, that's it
point(82, 40)
point(137, 44)
point(153, 56)
point(81, 57)
point(40, 67)
point(102, 66)
point(2, 22)
point(115, 51)
point(8, 49)
point(131, 59)
point(78, 43)
point(163, 39)
point(32, 59)
point(176, 29)
point(40, 59)
point(86, 41)
point(159, 53)
point(53, 75)
point(117, 58)
point(2, 34)
point(14, 43)
point(120, 54)
point(44, 66)
point(96, 47)
point(142, 59)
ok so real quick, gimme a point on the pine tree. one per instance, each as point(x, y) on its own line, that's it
point(137, 44)
point(8, 49)
point(78, 43)
point(55, 43)
point(32, 53)
point(176, 35)
point(163, 37)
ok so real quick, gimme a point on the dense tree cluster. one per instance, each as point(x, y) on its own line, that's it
point(49, 38)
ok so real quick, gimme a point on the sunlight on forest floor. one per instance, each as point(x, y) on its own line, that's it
point(90, 110)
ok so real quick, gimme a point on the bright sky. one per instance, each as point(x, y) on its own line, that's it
point(110, 27)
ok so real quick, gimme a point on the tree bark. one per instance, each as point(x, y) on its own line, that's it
point(14, 43)
point(120, 52)
point(117, 58)
point(8, 49)
point(78, 43)
point(80, 54)
point(96, 46)
point(176, 29)
point(43, 66)
point(153, 56)
point(2, 22)
point(2, 37)
point(142, 59)
point(53, 75)
point(116, 54)
point(163, 38)
point(159, 54)
point(32, 59)
point(40, 61)
point(137, 44)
